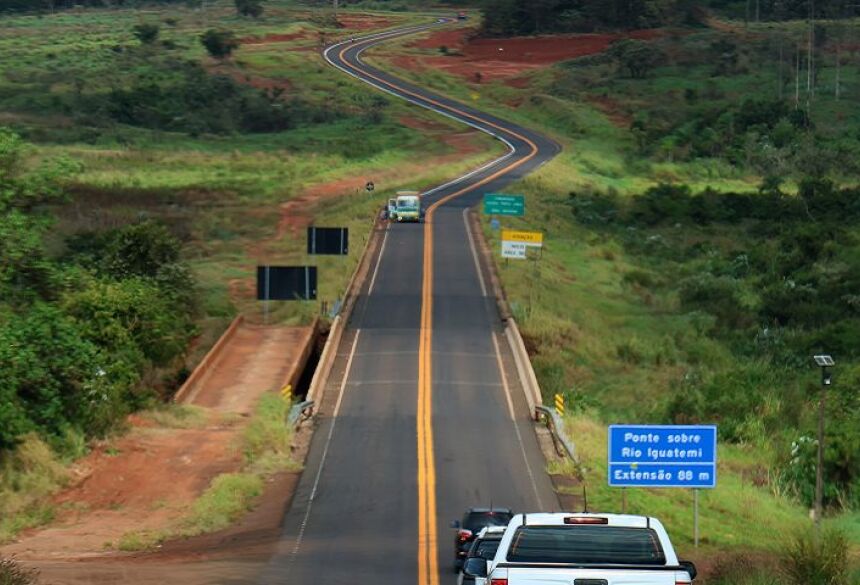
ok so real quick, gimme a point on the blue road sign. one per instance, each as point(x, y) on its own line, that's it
point(671, 456)
point(495, 224)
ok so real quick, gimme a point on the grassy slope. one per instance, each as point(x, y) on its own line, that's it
point(613, 349)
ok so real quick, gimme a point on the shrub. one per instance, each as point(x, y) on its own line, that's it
point(219, 43)
point(664, 203)
point(146, 33)
point(721, 296)
point(821, 560)
point(252, 8)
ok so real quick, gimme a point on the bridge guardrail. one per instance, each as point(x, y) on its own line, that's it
point(556, 427)
point(299, 412)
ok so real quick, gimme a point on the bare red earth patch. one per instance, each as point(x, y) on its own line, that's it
point(479, 59)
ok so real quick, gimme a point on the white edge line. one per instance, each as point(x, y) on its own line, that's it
point(474, 252)
point(514, 420)
point(313, 495)
point(378, 262)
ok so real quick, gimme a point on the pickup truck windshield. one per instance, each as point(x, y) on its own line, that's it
point(597, 545)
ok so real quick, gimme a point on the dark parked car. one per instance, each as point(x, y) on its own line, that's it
point(468, 528)
point(484, 547)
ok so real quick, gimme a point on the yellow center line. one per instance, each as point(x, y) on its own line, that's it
point(428, 566)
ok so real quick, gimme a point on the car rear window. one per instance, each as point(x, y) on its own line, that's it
point(486, 549)
point(474, 521)
point(586, 544)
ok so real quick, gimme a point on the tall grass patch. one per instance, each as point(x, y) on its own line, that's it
point(29, 474)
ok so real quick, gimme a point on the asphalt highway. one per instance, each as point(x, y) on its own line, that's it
point(423, 415)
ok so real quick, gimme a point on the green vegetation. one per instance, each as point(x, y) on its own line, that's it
point(13, 573)
point(27, 476)
point(169, 175)
point(526, 17)
point(83, 327)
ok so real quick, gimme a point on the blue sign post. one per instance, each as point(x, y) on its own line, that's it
point(664, 456)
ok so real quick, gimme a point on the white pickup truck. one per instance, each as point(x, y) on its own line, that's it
point(583, 549)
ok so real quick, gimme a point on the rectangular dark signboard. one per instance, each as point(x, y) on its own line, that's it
point(331, 241)
point(286, 283)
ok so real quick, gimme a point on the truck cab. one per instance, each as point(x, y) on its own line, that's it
point(609, 549)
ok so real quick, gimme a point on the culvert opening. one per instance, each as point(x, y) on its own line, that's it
point(303, 384)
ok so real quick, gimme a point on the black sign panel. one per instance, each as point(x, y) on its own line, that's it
point(286, 283)
point(332, 241)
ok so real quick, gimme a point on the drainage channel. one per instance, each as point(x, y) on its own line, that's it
point(300, 391)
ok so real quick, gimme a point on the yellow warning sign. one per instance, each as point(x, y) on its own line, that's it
point(530, 238)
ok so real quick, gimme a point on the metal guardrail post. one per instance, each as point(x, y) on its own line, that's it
point(299, 412)
point(556, 427)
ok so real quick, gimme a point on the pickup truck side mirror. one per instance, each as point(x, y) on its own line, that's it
point(690, 568)
point(455, 524)
point(475, 567)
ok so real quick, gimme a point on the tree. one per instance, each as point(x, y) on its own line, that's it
point(24, 193)
point(219, 43)
point(638, 57)
point(146, 33)
point(252, 8)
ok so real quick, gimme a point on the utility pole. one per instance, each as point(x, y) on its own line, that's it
point(810, 65)
point(797, 78)
point(824, 362)
point(779, 74)
point(334, 7)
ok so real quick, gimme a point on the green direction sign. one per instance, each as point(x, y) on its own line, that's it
point(496, 204)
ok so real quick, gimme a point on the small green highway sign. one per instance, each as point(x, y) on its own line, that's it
point(511, 205)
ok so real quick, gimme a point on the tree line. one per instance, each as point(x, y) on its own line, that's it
point(253, 8)
point(526, 17)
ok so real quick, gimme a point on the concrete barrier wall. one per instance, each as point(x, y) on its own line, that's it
point(208, 361)
point(295, 374)
point(339, 323)
point(526, 372)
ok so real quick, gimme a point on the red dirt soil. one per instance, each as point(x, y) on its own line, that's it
point(145, 481)
point(497, 59)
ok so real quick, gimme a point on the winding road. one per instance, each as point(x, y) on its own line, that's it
point(423, 415)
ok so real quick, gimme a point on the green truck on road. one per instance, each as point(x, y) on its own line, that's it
point(405, 207)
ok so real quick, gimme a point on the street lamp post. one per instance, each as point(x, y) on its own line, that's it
point(824, 362)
